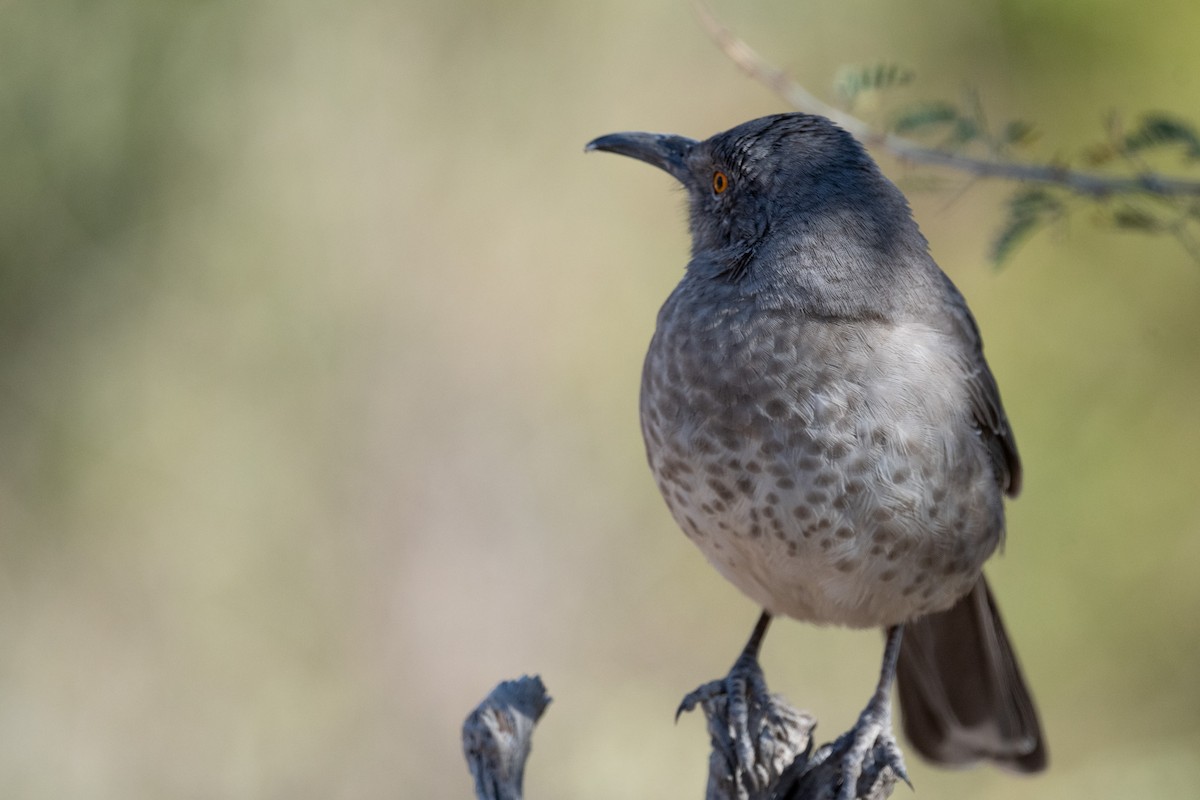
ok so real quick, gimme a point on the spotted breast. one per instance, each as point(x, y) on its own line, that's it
point(819, 465)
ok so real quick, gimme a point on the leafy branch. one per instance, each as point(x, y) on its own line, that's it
point(958, 136)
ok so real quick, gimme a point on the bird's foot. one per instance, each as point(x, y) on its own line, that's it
point(864, 752)
point(729, 704)
point(755, 735)
point(744, 687)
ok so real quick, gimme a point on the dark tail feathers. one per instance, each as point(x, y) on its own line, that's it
point(962, 696)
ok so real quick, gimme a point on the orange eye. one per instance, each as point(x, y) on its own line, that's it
point(720, 182)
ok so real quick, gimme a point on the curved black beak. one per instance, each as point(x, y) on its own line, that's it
point(665, 151)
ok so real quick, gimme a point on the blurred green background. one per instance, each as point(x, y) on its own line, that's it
point(321, 340)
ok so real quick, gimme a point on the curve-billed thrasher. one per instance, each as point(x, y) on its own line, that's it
point(820, 419)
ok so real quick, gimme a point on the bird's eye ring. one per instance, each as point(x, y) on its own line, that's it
point(720, 182)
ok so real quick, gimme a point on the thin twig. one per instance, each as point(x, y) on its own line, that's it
point(799, 98)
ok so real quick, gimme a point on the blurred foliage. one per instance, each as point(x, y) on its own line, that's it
point(321, 344)
point(1028, 209)
point(852, 81)
point(963, 128)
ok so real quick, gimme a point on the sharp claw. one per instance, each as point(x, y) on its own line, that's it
point(894, 759)
point(698, 696)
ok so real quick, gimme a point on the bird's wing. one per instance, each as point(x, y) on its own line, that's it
point(986, 408)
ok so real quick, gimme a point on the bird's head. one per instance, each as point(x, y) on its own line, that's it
point(785, 175)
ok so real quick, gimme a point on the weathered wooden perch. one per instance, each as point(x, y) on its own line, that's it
point(778, 762)
point(497, 737)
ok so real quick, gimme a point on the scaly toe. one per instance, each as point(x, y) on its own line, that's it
point(865, 752)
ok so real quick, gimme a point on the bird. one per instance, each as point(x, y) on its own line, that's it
point(822, 424)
